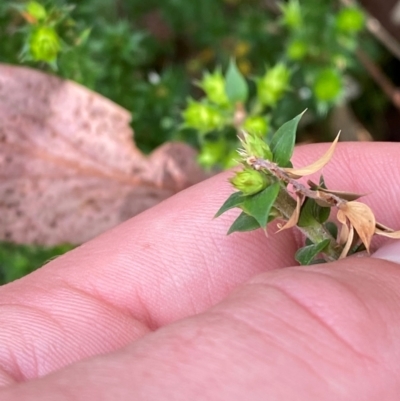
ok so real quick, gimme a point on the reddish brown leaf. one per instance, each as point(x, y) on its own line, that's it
point(317, 165)
point(361, 218)
point(349, 241)
point(69, 169)
point(349, 196)
point(294, 218)
point(389, 234)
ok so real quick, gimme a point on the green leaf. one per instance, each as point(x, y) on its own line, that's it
point(311, 213)
point(259, 205)
point(244, 223)
point(282, 142)
point(234, 200)
point(235, 85)
point(317, 262)
point(332, 228)
point(306, 254)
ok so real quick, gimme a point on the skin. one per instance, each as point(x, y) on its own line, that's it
point(167, 307)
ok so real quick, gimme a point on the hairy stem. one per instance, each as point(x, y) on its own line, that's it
point(286, 205)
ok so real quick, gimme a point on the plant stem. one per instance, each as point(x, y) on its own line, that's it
point(286, 205)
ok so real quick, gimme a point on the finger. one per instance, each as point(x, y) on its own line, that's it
point(316, 333)
point(170, 262)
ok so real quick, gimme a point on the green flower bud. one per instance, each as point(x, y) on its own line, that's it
point(340, 61)
point(297, 49)
point(214, 87)
point(256, 125)
point(255, 146)
point(271, 87)
point(231, 159)
point(202, 117)
point(328, 85)
point(250, 181)
point(44, 44)
point(350, 20)
point(291, 14)
point(212, 153)
point(36, 10)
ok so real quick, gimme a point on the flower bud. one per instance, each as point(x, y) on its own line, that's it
point(202, 117)
point(36, 10)
point(212, 153)
point(271, 87)
point(230, 159)
point(256, 125)
point(297, 49)
point(291, 14)
point(350, 20)
point(328, 85)
point(250, 181)
point(44, 44)
point(255, 146)
point(214, 87)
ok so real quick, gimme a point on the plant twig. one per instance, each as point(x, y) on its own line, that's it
point(378, 31)
point(390, 90)
point(286, 205)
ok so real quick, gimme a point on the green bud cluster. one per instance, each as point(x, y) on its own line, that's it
point(249, 181)
point(273, 84)
point(202, 117)
point(256, 125)
point(291, 14)
point(214, 87)
point(255, 146)
point(44, 44)
point(328, 85)
point(350, 20)
point(36, 10)
point(211, 153)
point(297, 49)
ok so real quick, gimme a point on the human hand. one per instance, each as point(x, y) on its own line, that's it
point(167, 307)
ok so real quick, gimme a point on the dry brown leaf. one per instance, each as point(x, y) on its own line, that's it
point(388, 234)
point(294, 218)
point(349, 241)
point(346, 235)
point(344, 229)
point(317, 165)
point(69, 169)
point(349, 196)
point(361, 218)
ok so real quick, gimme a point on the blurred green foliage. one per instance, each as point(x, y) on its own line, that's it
point(18, 260)
point(145, 56)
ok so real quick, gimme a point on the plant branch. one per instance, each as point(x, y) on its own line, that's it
point(378, 31)
point(390, 90)
point(317, 233)
point(286, 205)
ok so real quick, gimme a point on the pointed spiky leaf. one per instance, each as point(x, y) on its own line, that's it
point(306, 254)
point(259, 205)
point(282, 142)
point(235, 84)
point(244, 223)
point(235, 200)
point(312, 213)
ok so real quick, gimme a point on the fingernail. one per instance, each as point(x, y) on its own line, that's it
point(390, 251)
